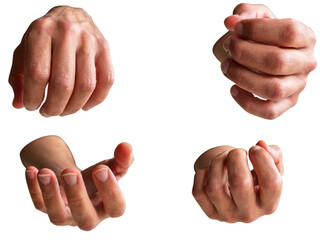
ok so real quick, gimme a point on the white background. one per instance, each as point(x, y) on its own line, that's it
point(171, 102)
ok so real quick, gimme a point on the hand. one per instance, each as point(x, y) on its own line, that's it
point(265, 56)
point(227, 191)
point(66, 51)
point(82, 200)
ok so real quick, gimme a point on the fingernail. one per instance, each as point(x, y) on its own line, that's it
point(225, 66)
point(238, 28)
point(30, 108)
point(30, 174)
point(70, 178)
point(225, 153)
point(86, 108)
point(226, 46)
point(64, 114)
point(255, 148)
point(44, 178)
point(234, 92)
point(102, 174)
point(44, 114)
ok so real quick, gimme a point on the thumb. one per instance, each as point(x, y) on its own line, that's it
point(123, 158)
point(16, 77)
point(247, 11)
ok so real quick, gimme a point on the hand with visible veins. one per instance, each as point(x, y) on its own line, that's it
point(228, 191)
point(68, 195)
point(267, 57)
point(66, 52)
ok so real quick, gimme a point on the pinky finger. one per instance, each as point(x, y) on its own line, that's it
point(200, 194)
point(259, 107)
point(34, 189)
point(105, 79)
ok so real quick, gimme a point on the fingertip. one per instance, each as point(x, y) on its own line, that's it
point(276, 151)
point(231, 21)
point(124, 152)
point(32, 168)
point(101, 173)
point(70, 176)
point(263, 144)
point(255, 149)
point(234, 91)
point(43, 112)
point(18, 104)
point(31, 173)
point(45, 176)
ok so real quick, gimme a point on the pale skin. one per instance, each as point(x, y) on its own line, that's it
point(66, 52)
point(267, 57)
point(227, 190)
point(68, 195)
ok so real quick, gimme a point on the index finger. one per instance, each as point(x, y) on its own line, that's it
point(275, 152)
point(269, 178)
point(282, 32)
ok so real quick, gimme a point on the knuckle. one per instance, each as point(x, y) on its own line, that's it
point(278, 62)
point(238, 50)
point(62, 84)
point(229, 219)
point(274, 184)
point(196, 193)
point(88, 225)
point(49, 197)
point(68, 26)
point(104, 44)
point(270, 208)
point(262, 6)
point(241, 7)
point(294, 100)
point(87, 38)
point(235, 154)
point(213, 188)
point(312, 37)
point(292, 32)
point(75, 201)
point(117, 212)
point(312, 64)
point(271, 112)
point(88, 85)
point(248, 217)
point(41, 25)
point(277, 90)
point(39, 73)
point(110, 79)
point(57, 220)
point(240, 183)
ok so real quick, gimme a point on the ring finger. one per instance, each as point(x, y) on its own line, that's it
point(269, 87)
